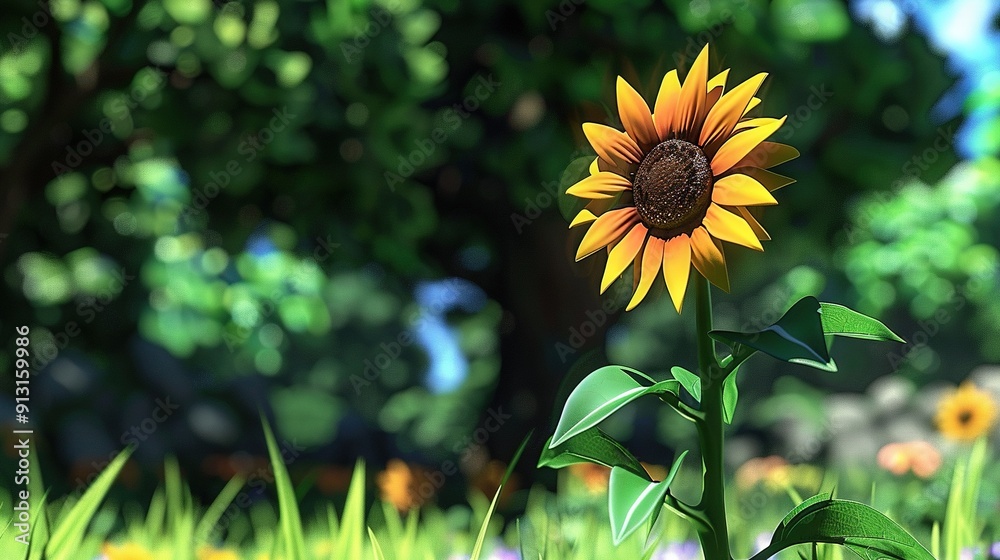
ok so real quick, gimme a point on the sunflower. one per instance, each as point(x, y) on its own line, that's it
point(664, 193)
point(966, 413)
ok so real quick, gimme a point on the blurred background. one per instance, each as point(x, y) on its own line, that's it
point(347, 216)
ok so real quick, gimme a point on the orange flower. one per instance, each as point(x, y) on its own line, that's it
point(772, 470)
point(917, 456)
point(679, 180)
point(594, 477)
point(487, 480)
point(398, 485)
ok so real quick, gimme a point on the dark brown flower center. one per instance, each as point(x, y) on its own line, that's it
point(673, 185)
point(964, 417)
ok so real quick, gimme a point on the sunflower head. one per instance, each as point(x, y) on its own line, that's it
point(678, 181)
point(967, 413)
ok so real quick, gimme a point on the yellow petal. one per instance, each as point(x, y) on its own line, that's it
point(623, 253)
point(723, 117)
point(754, 224)
point(666, 105)
point(727, 226)
point(753, 123)
point(612, 145)
point(600, 206)
point(652, 258)
point(635, 114)
point(677, 267)
point(607, 229)
point(691, 101)
point(716, 86)
point(768, 154)
point(741, 190)
point(602, 184)
point(584, 217)
point(737, 147)
point(719, 80)
point(753, 103)
point(600, 165)
point(708, 258)
point(771, 180)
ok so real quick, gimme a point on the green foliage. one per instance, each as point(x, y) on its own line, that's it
point(590, 446)
point(690, 381)
point(853, 525)
point(600, 395)
point(840, 321)
point(730, 396)
point(796, 337)
point(633, 499)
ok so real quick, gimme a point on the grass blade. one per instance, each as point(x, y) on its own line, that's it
point(290, 522)
point(376, 549)
point(68, 535)
point(211, 517)
point(477, 550)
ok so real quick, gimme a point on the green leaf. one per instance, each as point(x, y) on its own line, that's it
point(730, 395)
point(632, 499)
point(858, 527)
point(843, 321)
point(598, 396)
point(797, 337)
point(690, 381)
point(590, 446)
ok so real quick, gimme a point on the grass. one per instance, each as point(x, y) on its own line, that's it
point(568, 525)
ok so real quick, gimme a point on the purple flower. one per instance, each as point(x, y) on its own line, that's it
point(687, 550)
point(503, 553)
point(995, 550)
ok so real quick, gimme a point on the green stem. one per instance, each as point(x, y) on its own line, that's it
point(715, 535)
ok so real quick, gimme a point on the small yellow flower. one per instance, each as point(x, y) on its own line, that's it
point(126, 551)
point(967, 413)
point(681, 179)
point(210, 553)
